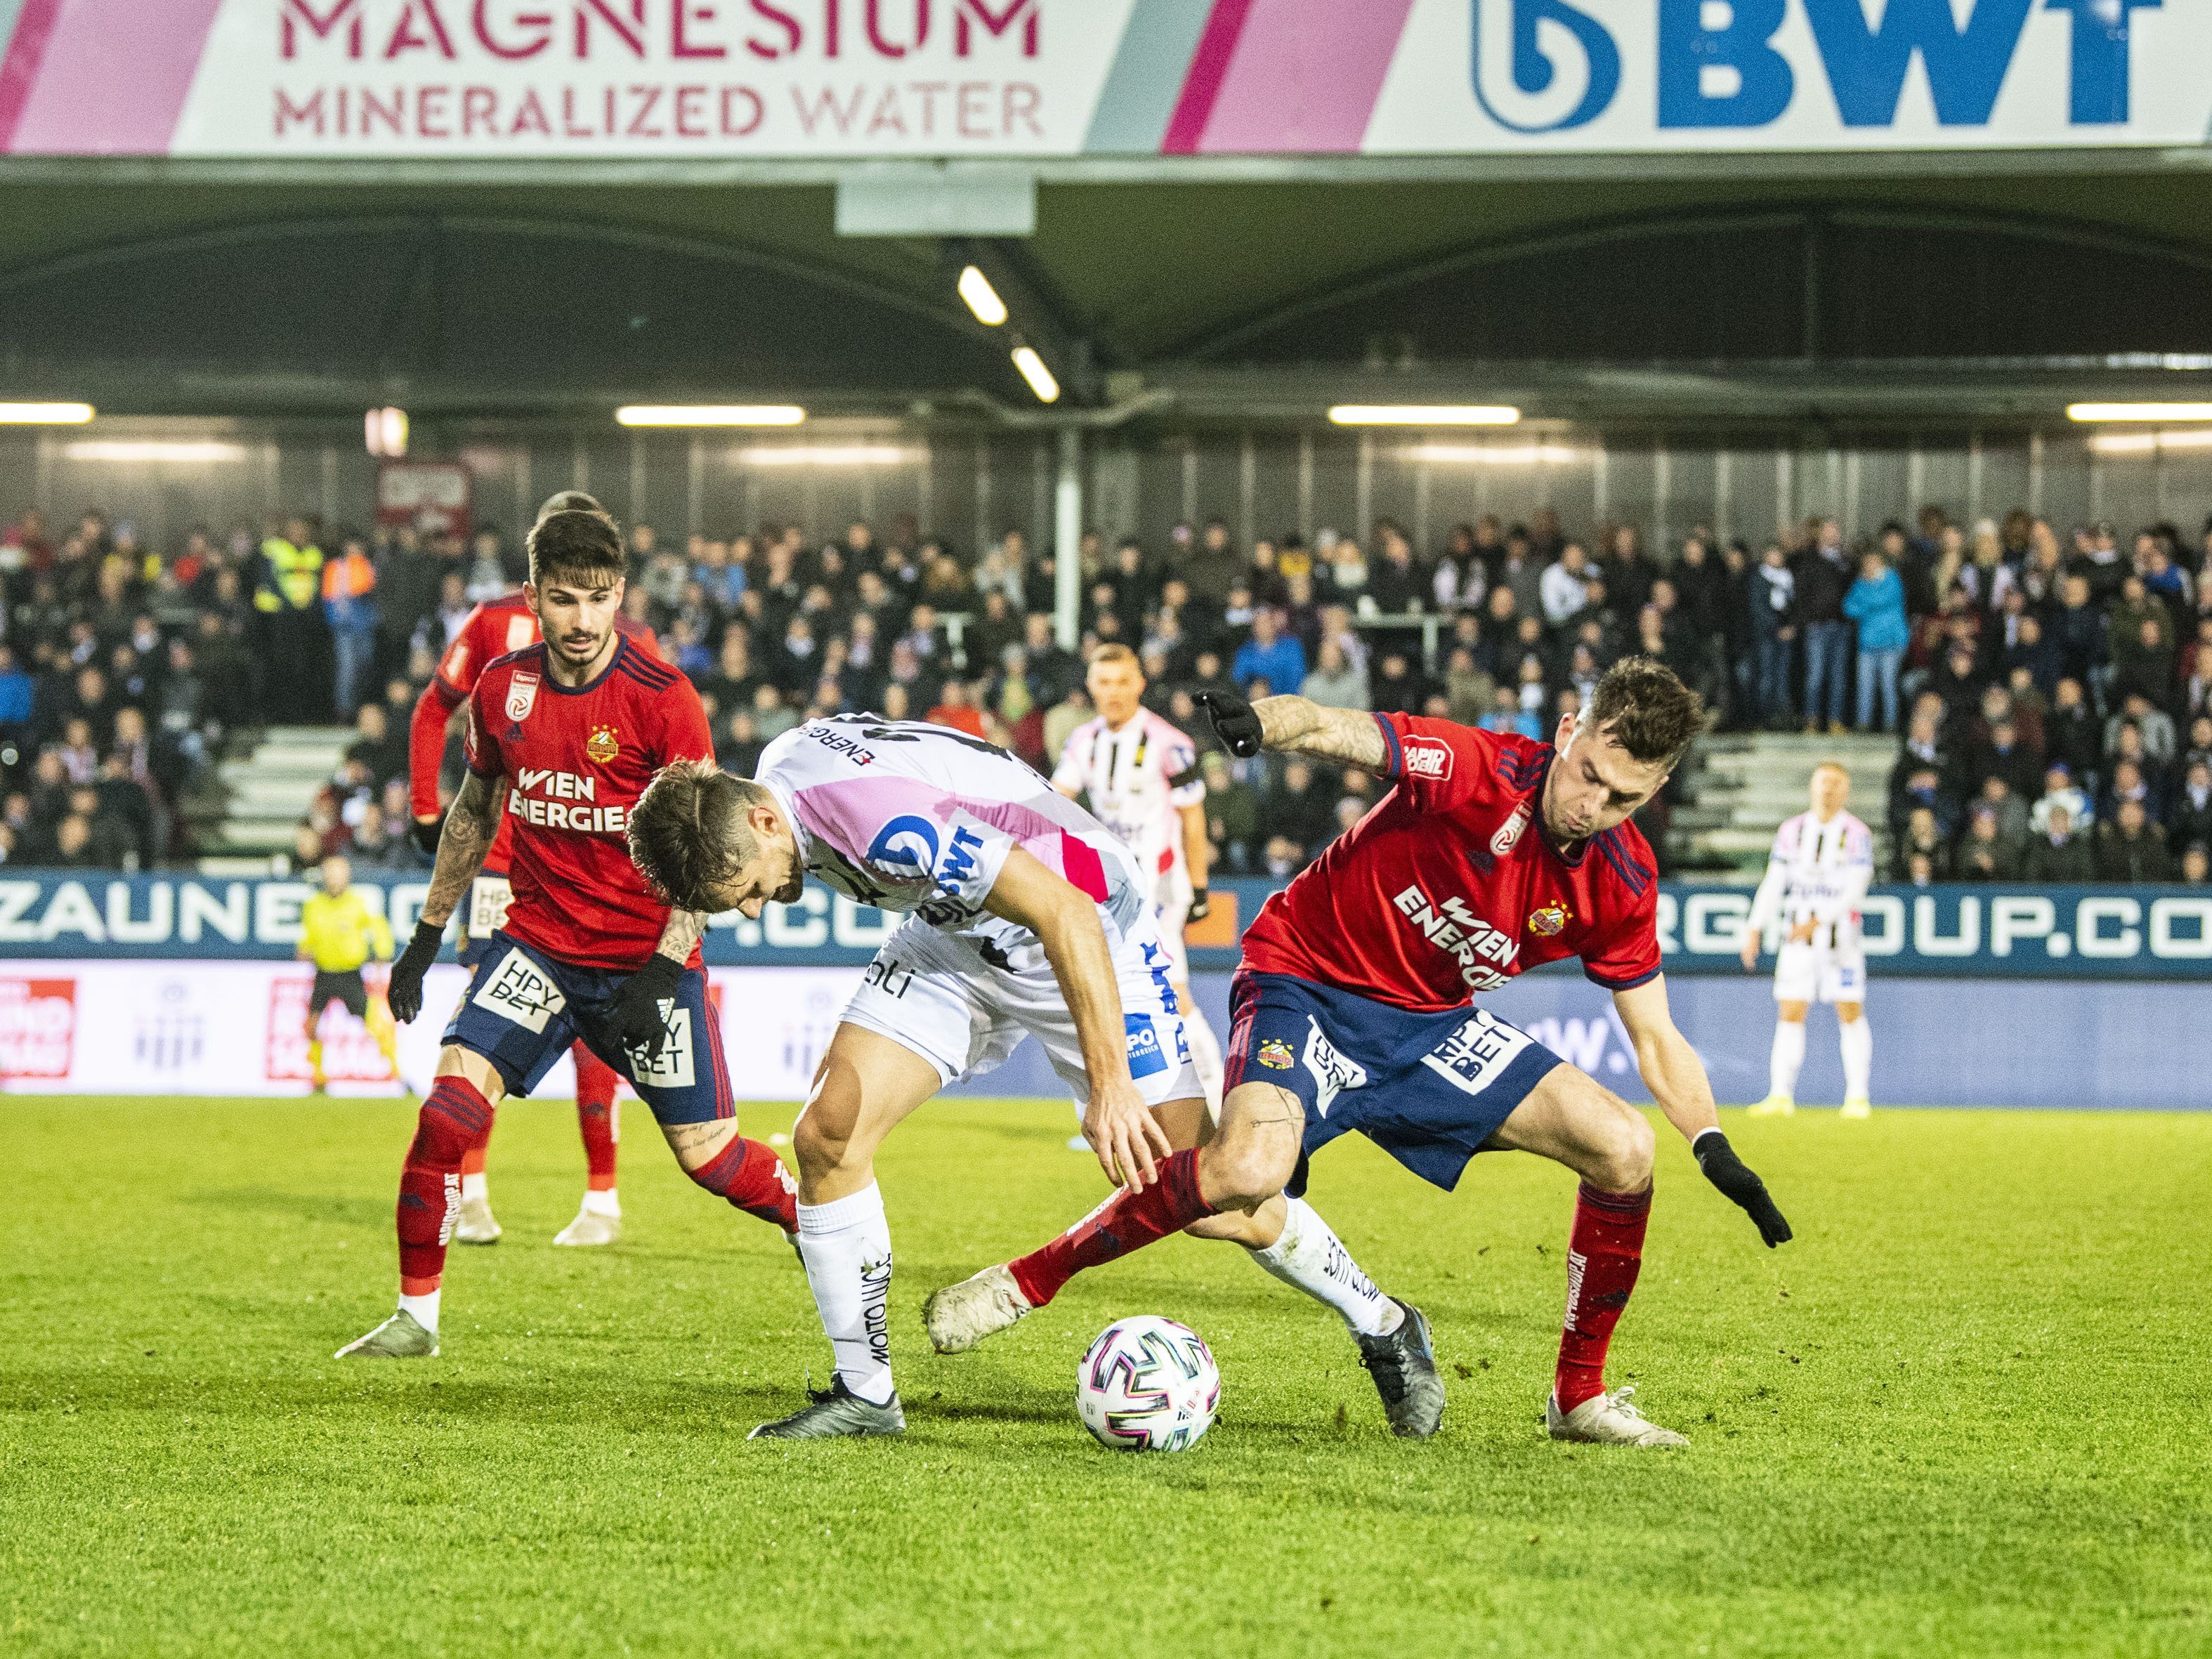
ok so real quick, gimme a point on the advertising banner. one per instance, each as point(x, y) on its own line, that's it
point(1044, 78)
point(1951, 931)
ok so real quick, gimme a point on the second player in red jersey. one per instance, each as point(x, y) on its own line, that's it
point(1352, 1012)
point(492, 630)
point(562, 738)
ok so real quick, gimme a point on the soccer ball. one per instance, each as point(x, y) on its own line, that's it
point(1147, 1385)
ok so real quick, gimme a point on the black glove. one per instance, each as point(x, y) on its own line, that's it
point(404, 994)
point(1200, 904)
point(639, 1022)
point(1734, 1178)
point(425, 833)
point(1234, 722)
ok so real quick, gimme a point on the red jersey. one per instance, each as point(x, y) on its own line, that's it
point(490, 631)
point(1451, 886)
point(575, 761)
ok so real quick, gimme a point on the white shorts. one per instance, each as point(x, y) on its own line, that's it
point(1811, 973)
point(936, 994)
point(1171, 896)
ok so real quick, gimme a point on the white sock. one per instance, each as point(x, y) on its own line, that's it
point(602, 1203)
point(1311, 1257)
point(1788, 1056)
point(847, 1246)
point(475, 1185)
point(1856, 1040)
point(1204, 1054)
point(424, 1308)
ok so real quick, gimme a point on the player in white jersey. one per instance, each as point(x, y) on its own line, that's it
point(1025, 916)
point(1140, 776)
point(1816, 875)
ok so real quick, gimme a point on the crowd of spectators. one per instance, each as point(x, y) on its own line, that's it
point(2053, 693)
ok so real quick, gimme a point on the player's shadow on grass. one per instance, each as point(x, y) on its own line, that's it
point(321, 1208)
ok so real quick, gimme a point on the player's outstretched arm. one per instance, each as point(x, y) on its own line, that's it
point(467, 837)
point(1345, 736)
point(1676, 1077)
point(1121, 1131)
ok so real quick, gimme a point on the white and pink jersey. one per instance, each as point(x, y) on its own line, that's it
point(910, 817)
point(1138, 780)
point(1818, 872)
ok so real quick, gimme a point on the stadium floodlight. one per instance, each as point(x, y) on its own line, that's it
point(2139, 412)
point(45, 414)
point(1039, 377)
point(1424, 415)
point(176, 452)
point(826, 455)
point(710, 414)
point(386, 432)
point(982, 299)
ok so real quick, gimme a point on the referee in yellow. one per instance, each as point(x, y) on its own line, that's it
point(337, 934)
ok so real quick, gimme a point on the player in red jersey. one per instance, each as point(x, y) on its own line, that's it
point(1351, 1011)
point(575, 727)
point(491, 630)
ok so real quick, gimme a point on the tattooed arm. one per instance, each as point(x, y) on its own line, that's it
point(470, 827)
point(1346, 736)
point(682, 932)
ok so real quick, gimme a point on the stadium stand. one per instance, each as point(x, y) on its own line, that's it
point(245, 695)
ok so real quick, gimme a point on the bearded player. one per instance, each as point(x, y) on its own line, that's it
point(575, 727)
point(1816, 879)
point(1025, 917)
point(491, 630)
point(1140, 776)
point(1351, 1010)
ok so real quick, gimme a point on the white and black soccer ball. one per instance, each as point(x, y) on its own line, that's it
point(1147, 1385)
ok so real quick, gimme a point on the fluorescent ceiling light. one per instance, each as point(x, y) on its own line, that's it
point(1424, 415)
point(982, 299)
point(2150, 443)
point(189, 451)
point(386, 432)
point(1039, 377)
point(826, 455)
point(45, 414)
point(1492, 455)
point(2139, 411)
point(710, 414)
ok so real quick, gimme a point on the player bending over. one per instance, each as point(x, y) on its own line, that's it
point(337, 932)
point(575, 726)
point(1025, 917)
point(1492, 854)
point(1819, 870)
point(1140, 776)
point(491, 630)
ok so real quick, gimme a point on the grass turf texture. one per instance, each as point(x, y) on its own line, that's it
point(1964, 1412)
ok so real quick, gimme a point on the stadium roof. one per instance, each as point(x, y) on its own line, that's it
point(1672, 288)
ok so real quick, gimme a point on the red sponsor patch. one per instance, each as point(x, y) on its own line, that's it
point(1427, 760)
point(37, 1027)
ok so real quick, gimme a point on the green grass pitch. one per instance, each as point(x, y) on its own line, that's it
point(1964, 1413)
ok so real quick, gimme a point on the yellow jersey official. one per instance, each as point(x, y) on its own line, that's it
point(338, 931)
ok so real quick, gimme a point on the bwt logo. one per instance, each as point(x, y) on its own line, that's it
point(1552, 65)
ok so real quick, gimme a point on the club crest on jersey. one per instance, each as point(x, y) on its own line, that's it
point(1275, 1054)
point(1426, 760)
point(1546, 922)
point(521, 695)
point(601, 746)
point(1508, 836)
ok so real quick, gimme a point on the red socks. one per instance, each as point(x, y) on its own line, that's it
point(1127, 1221)
point(455, 1118)
point(754, 1179)
point(596, 1118)
point(1603, 1254)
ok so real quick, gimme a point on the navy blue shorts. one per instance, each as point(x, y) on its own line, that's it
point(523, 1010)
point(1428, 1088)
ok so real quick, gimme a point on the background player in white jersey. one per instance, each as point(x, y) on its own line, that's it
point(1816, 877)
point(1139, 775)
point(1025, 917)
